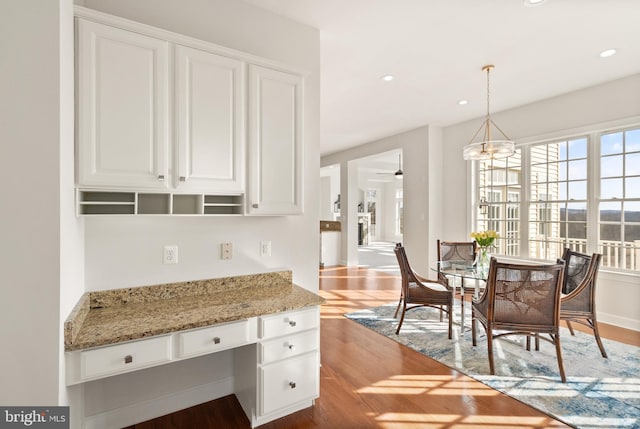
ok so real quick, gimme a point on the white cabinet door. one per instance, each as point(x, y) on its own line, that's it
point(210, 121)
point(123, 119)
point(275, 142)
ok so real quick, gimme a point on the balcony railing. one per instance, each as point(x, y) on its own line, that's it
point(615, 254)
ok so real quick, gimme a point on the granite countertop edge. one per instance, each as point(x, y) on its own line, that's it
point(93, 324)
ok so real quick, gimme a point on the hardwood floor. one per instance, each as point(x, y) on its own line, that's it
point(370, 381)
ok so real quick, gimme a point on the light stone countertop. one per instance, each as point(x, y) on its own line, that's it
point(113, 316)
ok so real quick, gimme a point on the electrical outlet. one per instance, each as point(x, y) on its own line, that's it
point(170, 255)
point(265, 248)
point(226, 250)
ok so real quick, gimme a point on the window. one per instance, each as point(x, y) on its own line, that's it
point(500, 187)
point(558, 196)
point(619, 203)
point(582, 193)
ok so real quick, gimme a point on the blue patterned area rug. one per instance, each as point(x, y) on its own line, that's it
point(599, 393)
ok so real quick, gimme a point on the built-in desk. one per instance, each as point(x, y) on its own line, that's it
point(122, 330)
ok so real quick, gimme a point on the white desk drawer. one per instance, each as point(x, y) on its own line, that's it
point(287, 323)
point(289, 346)
point(214, 338)
point(289, 381)
point(111, 360)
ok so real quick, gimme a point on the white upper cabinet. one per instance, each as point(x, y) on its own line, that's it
point(275, 142)
point(162, 112)
point(210, 121)
point(123, 118)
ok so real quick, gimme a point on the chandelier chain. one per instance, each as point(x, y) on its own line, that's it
point(488, 90)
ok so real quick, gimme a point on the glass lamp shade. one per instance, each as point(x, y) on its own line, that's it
point(495, 149)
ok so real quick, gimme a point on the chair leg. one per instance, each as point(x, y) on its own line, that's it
point(398, 307)
point(492, 370)
point(404, 310)
point(450, 321)
point(528, 342)
point(556, 340)
point(473, 327)
point(537, 342)
point(596, 334)
point(570, 327)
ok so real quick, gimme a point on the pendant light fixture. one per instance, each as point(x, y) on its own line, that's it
point(488, 148)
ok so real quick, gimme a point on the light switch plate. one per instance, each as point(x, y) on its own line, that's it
point(226, 250)
point(265, 248)
point(170, 255)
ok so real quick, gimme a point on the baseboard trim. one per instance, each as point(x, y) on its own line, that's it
point(150, 409)
point(623, 322)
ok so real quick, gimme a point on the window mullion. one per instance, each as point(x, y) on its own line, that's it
point(593, 191)
point(525, 201)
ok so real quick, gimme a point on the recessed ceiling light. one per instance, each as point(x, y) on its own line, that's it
point(388, 77)
point(607, 53)
point(462, 102)
point(533, 2)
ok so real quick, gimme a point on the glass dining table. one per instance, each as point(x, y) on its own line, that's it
point(463, 271)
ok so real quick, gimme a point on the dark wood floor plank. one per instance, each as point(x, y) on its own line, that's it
point(370, 381)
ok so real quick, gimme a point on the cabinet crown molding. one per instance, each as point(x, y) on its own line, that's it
point(170, 36)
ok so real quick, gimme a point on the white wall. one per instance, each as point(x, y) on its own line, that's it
point(36, 134)
point(127, 251)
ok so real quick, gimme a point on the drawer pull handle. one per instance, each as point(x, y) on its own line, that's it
point(292, 384)
point(292, 323)
point(161, 177)
point(216, 340)
point(183, 179)
point(255, 206)
point(128, 359)
point(290, 346)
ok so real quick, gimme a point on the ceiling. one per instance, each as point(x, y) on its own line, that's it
point(436, 50)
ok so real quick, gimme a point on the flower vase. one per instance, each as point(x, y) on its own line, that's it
point(484, 259)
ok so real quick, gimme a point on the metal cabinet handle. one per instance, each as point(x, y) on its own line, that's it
point(216, 340)
point(292, 323)
point(128, 359)
point(161, 177)
point(290, 346)
point(183, 179)
point(292, 384)
point(255, 206)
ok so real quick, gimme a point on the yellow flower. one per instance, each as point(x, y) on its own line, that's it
point(485, 238)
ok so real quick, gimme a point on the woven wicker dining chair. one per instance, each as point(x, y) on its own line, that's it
point(520, 299)
point(578, 303)
point(450, 252)
point(417, 291)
